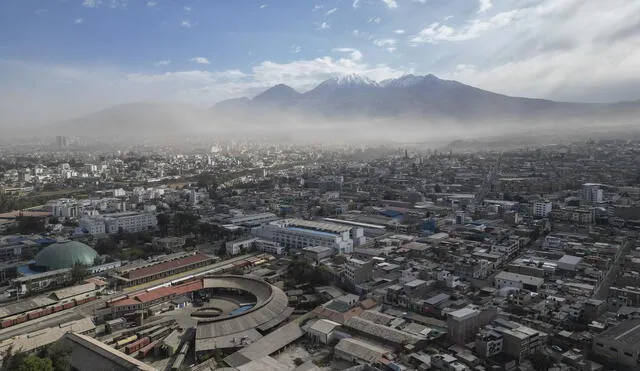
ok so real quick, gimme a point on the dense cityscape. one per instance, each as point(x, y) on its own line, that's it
point(272, 257)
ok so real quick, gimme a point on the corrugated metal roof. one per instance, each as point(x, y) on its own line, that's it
point(168, 265)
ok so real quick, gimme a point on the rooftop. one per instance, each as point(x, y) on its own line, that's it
point(627, 333)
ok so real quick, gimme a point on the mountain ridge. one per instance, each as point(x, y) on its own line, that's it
point(412, 102)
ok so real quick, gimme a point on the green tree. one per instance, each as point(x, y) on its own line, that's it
point(163, 223)
point(541, 361)
point(35, 363)
point(60, 355)
point(79, 272)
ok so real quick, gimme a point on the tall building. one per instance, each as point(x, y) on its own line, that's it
point(61, 141)
point(463, 325)
point(511, 338)
point(591, 193)
point(542, 208)
point(358, 271)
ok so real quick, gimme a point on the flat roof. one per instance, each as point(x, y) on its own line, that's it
point(74, 291)
point(516, 277)
point(355, 224)
point(463, 313)
point(328, 227)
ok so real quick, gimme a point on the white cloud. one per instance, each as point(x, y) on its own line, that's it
point(187, 8)
point(185, 23)
point(263, 6)
point(484, 6)
point(317, 7)
point(152, 3)
point(355, 4)
point(324, 26)
point(384, 42)
point(577, 50)
point(472, 29)
point(420, 1)
point(199, 60)
point(295, 49)
point(113, 4)
point(353, 53)
point(398, 31)
point(391, 4)
point(165, 62)
point(374, 20)
point(78, 21)
point(331, 11)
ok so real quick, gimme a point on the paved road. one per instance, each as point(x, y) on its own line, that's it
point(602, 290)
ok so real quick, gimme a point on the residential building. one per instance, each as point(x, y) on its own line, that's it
point(592, 193)
point(520, 281)
point(317, 253)
point(542, 208)
point(130, 222)
point(462, 324)
point(358, 271)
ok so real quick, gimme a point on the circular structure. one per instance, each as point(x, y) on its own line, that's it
point(65, 254)
point(246, 305)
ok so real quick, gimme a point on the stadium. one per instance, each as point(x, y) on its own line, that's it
point(238, 311)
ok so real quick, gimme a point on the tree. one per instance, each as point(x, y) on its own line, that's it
point(35, 363)
point(105, 246)
point(79, 271)
point(541, 361)
point(60, 355)
point(163, 223)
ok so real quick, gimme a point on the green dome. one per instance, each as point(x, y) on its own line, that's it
point(65, 254)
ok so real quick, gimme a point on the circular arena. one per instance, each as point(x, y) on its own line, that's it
point(238, 311)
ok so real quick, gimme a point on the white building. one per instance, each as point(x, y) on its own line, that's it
point(93, 224)
point(65, 208)
point(592, 193)
point(298, 234)
point(129, 222)
point(358, 271)
point(542, 208)
point(519, 281)
point(323, 331)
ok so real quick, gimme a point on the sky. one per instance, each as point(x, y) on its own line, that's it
point(64, 58)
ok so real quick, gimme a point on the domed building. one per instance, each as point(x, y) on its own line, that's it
point(65, 254)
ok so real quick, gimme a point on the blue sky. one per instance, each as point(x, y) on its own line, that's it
point(70, 57)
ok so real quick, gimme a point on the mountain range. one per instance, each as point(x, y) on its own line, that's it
point(413, 100)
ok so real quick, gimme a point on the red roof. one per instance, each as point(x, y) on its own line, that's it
point(18, 213)
point(166, 266)
point(159, 293)
point(162, 292)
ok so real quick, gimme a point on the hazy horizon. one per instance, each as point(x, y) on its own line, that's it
point(203, 53)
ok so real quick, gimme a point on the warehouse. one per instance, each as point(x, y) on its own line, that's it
point(135, 274)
